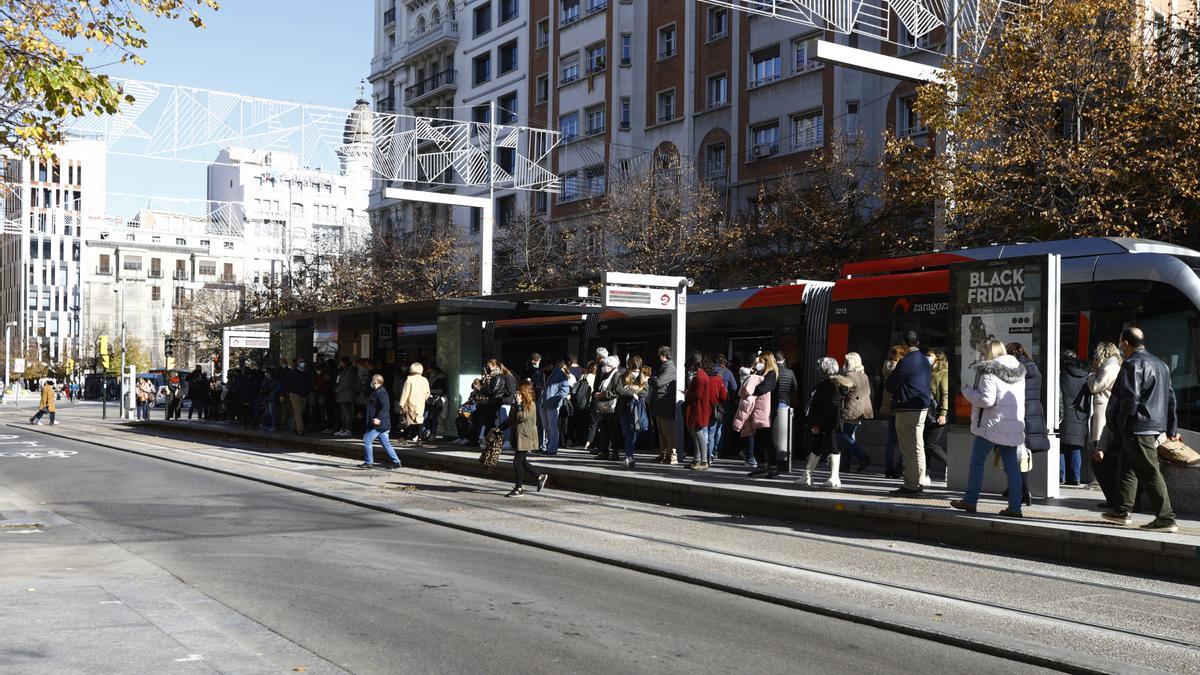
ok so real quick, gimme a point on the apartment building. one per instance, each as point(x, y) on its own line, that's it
point(46, 202)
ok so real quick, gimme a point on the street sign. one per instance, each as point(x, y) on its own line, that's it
point(248, 342)
point(639, 298)
point(18, 365)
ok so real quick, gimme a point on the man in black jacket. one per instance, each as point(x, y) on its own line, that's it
point(911, 398)
point(781, 411)
point(1145, 412)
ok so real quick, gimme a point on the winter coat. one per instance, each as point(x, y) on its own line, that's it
point(785, 390)
point(910, 382)
point(1076, 405)
point(47, 400)
point(1101, 383)
point(825, 406)
point(638, 387)
point(300, 382)
point(754, 410)
point(940, 390)
point(885, 401)
point(347, 385)
point(1037, 437)
point(145, 391)
point(662, 391)
point(377, 407)
point(606, 389)
point(413, 398)
point(504, 389)
point(998, 401)
point(1147, 395)
point(558, 387)
point(731, 385)
point(524, 421)
point(704, 392)
point(856, 404)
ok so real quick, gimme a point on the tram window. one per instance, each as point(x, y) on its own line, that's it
point(624, 350)
point(742, 350)
point(1172, 326)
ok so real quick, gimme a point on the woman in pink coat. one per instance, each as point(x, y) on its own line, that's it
point(753, 412)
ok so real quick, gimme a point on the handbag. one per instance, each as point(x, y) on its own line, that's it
point(606, 406)
point(493, 444)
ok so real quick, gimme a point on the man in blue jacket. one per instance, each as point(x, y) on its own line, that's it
point(909, 384)
point(379, 424)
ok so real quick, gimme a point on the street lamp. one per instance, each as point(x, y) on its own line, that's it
point(7, 382)
point(120, 380)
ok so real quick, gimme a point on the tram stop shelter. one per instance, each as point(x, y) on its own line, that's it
point(448, 333)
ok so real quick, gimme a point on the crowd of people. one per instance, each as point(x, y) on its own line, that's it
point(1117, 409)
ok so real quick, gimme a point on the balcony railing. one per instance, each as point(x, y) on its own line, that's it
point(447, 79)
point(227, 279)
point(105, 271)
point(155, 274)
point(809, 138)
point(180, 275)
point(420, 40)
point(389, 16)
point(716, 170)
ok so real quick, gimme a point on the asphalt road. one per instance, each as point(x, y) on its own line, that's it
point(372, 592)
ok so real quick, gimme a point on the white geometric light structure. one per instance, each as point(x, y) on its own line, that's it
point(187, 124)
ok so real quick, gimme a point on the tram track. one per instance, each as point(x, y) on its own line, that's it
point(271, 461)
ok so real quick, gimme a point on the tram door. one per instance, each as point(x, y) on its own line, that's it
point(742, 349)
point(624, 350)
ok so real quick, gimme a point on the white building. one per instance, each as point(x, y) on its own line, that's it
point(288, 213)
point(153, 263)
point(45, 201)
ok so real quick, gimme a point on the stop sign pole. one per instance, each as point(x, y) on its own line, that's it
point(660, 294)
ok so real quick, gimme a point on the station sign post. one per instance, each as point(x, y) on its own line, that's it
point(1011, 300)
point(240, 339)
point(663, 294)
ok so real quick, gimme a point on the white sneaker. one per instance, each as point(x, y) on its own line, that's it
point(926, 481)
point(831, 483)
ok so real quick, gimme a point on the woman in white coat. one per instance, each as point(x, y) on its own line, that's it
point(1106, 365)
point(998, 422)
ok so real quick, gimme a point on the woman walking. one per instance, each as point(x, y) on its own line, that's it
point(823, 419)
point(45, 404)
point(935, 424)
point(856, 407)
point(1076, 409)
point(1106, 365)
point(412, 403)
point(1037, 436)
point(997, 400)
point(523, 419)
point(633, 389)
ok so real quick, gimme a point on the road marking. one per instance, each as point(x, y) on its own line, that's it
point(62, 454)
point(190, 657)
point(29, 444)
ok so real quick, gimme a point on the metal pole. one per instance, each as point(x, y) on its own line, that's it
point(679, 349)
point(487, 226)
point(7, 382)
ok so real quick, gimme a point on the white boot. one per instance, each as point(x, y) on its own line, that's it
point(813, 459)
point(835, 481)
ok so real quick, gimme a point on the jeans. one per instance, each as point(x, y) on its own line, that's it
point(143, 411)
point(501, 418)
point(41, 412)
point(272, 417)
point(701, 438)
point(346, 412)
point(981, 449)
point(429, 429)
point(849, 443)
point(716, 434)
point(629, 434)
point(549, 412)
point(1075, 453)
point(369, 442)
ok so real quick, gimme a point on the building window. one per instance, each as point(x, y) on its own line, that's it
point(508, 57)
point(716, 161)
point(596, 5)
point(626, 112)
point(718, 23)
point(481, 68)
point(908, 122)
point(802, 52)
point(155, 293)
point(570, 11)
point(155, 268)
point(595, 120)
point(570, 187)
point(508, 10)
point(541, 88)
point(506, 159)
point(131, 263)
point(718, 90)
point(764, 66)
point(570, 68)
point(181, 242)
point(540, 203)
point(207, 268)
point(568, 126)
point(205, 242)
point(506, 211)
point(808, 130)
point(476, 220)
point(481, 114)
point(666, 106)
point(666, 42)
point(229, 244)
point(105, 266)
point(506, 108)
point(483, 18)
point(851, 123)
point(764, 140)
point(597, 57)
point(594, 182)
point(543, 33)
point(626, 49)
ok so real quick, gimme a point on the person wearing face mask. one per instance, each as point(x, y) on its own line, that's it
point(935, 424)
point(764, 442)
point(299, 386)
point(379, 424)
point(503, 392)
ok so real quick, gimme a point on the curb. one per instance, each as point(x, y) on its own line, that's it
point(1161, 559)
point(1015, 650)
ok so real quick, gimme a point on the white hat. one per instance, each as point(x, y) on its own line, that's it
point(601, 352)
point(612, 361)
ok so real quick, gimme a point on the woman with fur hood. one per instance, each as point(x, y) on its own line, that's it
point(998, 422)
point(824, 419)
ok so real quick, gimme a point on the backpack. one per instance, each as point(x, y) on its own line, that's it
point(581, 394)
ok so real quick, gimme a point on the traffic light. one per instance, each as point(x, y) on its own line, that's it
point(169, 346)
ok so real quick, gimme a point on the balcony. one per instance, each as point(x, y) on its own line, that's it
point(180, 275)
point(419, 41)
point(155, 274)
point(227, 279)
point(389, 16)
point(104, 271)
point(445, 81)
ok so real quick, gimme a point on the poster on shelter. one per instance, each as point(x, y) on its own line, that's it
point(1001, 299)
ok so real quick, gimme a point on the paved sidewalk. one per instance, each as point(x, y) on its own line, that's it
point(74, 602)
point(1069, 529)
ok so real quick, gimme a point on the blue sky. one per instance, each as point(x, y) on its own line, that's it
point(309, 51)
